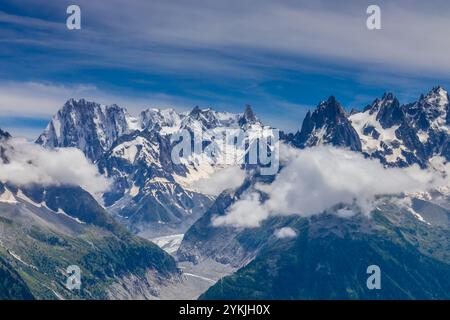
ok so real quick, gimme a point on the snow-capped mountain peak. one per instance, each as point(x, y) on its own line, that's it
point(169, 121)
point(327, 124)
point(166, 121)
point(405, 134)
point(4, 135)
point(376, 127)
point(430, 111)
point(248, 117)
point(386, 110)
point(387, 100)
point(89, 126)
point(150, 190)
point(398, 135)
point(437, 95)
point(209, 119)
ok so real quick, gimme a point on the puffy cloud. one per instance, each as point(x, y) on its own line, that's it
point(285, 232)
point(316, 179)
point(223, 179)
point(32, 164)
point(247, 212)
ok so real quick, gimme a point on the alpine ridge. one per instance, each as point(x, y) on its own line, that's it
point(328, 124)
point(398, 135)
point(150, 194)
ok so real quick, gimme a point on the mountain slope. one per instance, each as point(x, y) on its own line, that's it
point(40, 243)
point(227, 245)
point(46, 229)
point(408, 237)
point(146, 195)
point(329, 258)
point(11, 285)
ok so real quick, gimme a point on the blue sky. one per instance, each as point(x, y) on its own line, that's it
point(281, 57)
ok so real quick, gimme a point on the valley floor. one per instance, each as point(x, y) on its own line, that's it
point(169, 243)
point(196, 278)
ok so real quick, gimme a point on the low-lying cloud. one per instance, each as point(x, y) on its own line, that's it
point(29, 164)
point(316, 179)
point(285, 232)
point(223, 179)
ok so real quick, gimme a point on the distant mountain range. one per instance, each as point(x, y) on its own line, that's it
point(151, 194)
point(398, 135)
point(43, 228)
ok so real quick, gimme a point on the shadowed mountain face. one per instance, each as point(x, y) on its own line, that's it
point(12, 287)
point(40, 240)
point(4, 134)
point(328, 124)
point(330, 256)
point(227, 245)
point(248, 117)
point(89, 126)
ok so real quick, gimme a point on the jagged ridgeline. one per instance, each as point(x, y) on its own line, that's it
point(151, 195)
point(398, 135)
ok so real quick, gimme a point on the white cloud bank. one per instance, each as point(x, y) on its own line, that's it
point(316, 179)
point(32, 164)
point(223, 179)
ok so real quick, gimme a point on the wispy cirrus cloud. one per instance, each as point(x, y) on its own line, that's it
point(250, 33)
point(271, 54)
point(240, 38)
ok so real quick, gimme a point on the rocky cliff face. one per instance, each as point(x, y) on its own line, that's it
point(328, 124)
point(398, 135)
point(88, 126)
point(402, 135)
